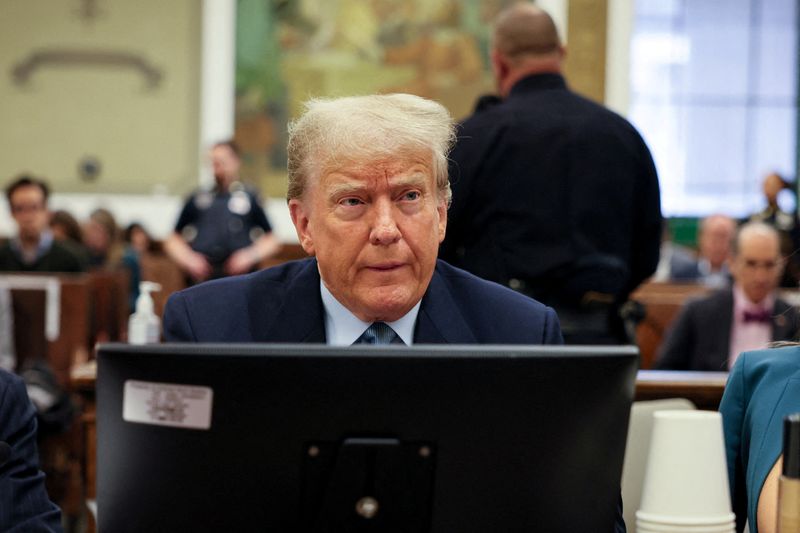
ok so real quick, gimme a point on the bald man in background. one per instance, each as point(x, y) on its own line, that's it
point(710, 332)
point(554, 195)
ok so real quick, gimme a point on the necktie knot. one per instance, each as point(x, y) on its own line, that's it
point(757, 315)
point(379, 333)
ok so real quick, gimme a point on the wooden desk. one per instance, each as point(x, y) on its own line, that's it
point(704, 389)
point(69, 345)
point(662, 302)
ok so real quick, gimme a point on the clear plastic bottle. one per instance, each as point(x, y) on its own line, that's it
point(144, 326)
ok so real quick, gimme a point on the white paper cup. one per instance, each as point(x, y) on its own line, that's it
point(643, 525)
point(646, 518)
point(686, 479)
point(730, 528)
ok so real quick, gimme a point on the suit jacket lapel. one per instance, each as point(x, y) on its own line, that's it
point(782, 321)
point(301, 318)
point(440, 320)
point(725, 317)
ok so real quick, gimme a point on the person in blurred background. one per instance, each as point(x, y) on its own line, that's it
point(224, 231)
point(785, 222)
point(65, 227)
point(554, 196)
point(711, 331)
point(34, 248)
point(138, 238)
point(710, 266)
point(108, 252)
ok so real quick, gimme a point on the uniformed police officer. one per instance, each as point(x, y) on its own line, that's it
point(223, 231)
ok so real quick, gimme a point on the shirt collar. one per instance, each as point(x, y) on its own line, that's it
point(342, 327)
point(534, 82)
point(741, 302)
point(44, 244)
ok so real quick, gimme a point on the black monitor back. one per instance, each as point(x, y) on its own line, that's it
point(317, 438)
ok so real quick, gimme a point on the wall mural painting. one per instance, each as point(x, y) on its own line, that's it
point(290, 50)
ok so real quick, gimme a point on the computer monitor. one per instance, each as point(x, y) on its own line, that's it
point(285, 438)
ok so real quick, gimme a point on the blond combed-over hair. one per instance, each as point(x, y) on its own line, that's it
point(336, 132)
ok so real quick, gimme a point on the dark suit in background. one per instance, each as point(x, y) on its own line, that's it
point(24, 504)
point(59, 257)
point(283, 304)
point(700, 337)
point(555, 196)
point(683, 265)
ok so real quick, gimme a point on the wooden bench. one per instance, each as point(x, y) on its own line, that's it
point(61, 334)
point(52, 322)
point(109, 291)
point(662, 302)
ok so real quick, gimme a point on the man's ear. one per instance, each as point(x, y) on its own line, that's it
point(441, 208)
point(300, 218)
point(499, 67)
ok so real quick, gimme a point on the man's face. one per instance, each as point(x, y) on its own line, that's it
point(715, 241)
point(773, 184)
point(29, 210)
point(375, 229)
point(226, 165)
point(95, 237)
point(758, 266)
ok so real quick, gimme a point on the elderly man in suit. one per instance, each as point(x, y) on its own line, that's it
point(710, 332)
point(24, 504)
point(368, 195)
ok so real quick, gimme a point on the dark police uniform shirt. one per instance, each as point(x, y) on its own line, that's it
point(217, 223)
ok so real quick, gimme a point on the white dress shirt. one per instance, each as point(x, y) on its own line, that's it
point(343, 328)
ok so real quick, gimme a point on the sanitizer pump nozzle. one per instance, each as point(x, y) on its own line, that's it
point(144, 326)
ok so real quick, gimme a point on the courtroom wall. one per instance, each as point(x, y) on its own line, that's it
point(112, 85)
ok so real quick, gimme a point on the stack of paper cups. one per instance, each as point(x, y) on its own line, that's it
point(686, 481)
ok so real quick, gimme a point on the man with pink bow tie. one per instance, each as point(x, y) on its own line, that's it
point(710, 332)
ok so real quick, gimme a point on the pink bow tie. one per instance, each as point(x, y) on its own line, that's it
point(761, 315)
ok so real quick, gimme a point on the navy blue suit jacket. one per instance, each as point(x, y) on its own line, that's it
point(24, 504)
point(283, 304)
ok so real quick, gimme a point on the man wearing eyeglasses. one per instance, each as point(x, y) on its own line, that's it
point(34, 249)
point(711, 332)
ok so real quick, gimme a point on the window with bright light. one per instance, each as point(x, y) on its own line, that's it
point(714, 93)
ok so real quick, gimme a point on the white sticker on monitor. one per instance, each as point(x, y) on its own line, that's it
point(167, 404)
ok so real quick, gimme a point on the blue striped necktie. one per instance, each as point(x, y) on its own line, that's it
point(379, 333)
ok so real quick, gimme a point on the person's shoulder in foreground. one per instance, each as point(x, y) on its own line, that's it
point(24, 504)
point(259, 306)
point(762, 388)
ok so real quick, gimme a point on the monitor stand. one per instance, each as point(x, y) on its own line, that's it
point(368, 485)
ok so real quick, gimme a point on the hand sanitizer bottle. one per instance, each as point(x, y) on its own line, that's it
point(144, 326)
